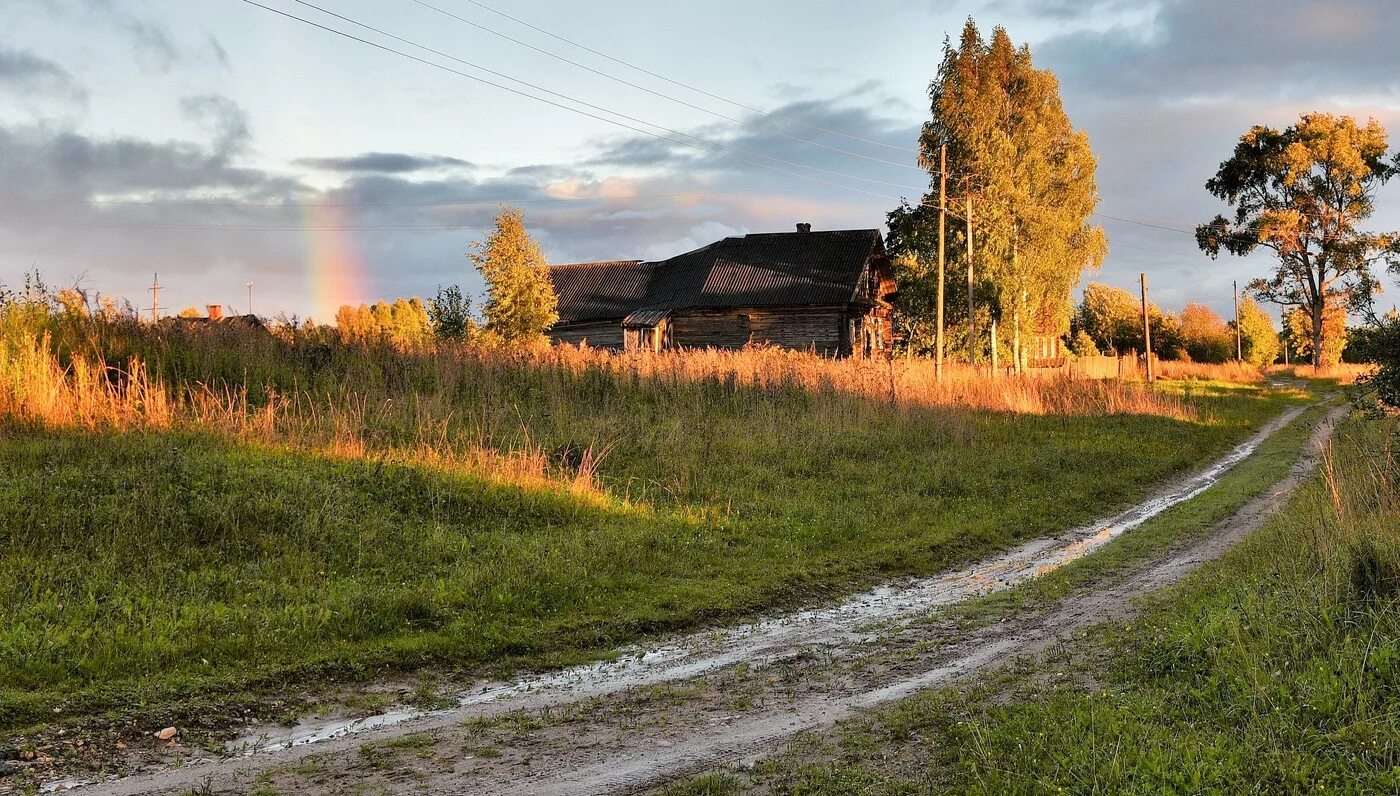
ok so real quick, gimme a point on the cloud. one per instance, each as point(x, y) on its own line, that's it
point(148, 40)
point(1244, 49)
point(385, 163)
point(217, 51)
point(25, 73)
point(770, 146)
point(153, 46)
point(1166, 93)
point(227, 119)
point(119, 208)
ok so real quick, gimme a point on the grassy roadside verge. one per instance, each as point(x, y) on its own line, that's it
point(1173, 528)
point(176, 573)
point(1273, 670)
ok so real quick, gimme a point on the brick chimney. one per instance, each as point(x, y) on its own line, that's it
point(216, 312)
point(804, 227)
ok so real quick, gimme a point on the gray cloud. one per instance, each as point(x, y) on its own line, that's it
point(25, 73)
point(384, 163)
point(407, 217)
point(153, 46)
point(1165, 102)
point(772, 140)
point(151, 43)
point(1247, 49)
point(227, 119)
point(217, 51)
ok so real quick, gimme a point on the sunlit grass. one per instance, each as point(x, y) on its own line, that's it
point(192, 511)
point(1272, 670)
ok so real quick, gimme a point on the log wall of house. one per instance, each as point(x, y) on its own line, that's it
point(599, 334)
point(789, 327)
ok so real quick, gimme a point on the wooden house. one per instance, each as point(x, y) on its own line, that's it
point(828, 292)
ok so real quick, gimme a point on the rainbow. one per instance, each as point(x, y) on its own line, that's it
point(334, 267)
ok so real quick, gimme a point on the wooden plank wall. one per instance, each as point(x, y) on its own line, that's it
point(599, 334)
point(789, 327)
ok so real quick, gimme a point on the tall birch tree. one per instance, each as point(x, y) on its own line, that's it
point(1030, 174)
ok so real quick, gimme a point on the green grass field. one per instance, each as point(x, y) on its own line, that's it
point(1273, 670)
point(179, 566)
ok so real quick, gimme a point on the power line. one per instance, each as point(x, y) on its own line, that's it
point(1140, 223)
point(471, 203)
point(703, 145)
point(687, 86)
point(660, 94)
point(258, 227)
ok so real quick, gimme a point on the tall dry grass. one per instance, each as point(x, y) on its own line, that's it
point(1342, 372)
point(547, 414)
point(37, 387)
point(911, 381)
point(1238, 372)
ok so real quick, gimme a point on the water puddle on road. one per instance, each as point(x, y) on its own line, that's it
point(841, 625)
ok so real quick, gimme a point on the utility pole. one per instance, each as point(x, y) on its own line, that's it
point(250, 298)
point(971, 321)
point(1239, 347)
point(1146, 328)
point(155, 297)
point(942, 233)
point(1016, 311)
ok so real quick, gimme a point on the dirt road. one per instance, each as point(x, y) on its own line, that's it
point(664, 711)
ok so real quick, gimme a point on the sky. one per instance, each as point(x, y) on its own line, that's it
point(216, 143)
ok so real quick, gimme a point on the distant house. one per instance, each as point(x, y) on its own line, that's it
point(824, 291)
point(191, 317)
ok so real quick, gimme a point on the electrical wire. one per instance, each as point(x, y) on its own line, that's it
point(471, 203)
point(687, 86)
point(704, 145)
point(661, 94)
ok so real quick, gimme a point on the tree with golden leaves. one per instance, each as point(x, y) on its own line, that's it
point(1301, 192)
point(520, 300)
point(1258, 337)
point(1299, 326)
point(1030, 175)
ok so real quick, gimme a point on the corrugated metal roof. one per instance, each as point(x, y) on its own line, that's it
point(772, 269)
point(646, 317)
point(595, 291)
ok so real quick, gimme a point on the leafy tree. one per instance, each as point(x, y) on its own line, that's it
point(1301, 192)
point(190, 312)
point(1301, 332)
point(1379, 342)
point(1112, 318)
point(1030, 175)
point(1259, 339)
point(520, 300)
point(403, 323)
point(1082, 345)
point(1205, 335)
point(451, 314)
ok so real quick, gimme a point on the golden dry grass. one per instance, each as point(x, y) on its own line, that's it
point(909, 381)
point(1342, 373)
point(1237, 372)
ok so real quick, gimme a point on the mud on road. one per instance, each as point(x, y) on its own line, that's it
point(664, 711)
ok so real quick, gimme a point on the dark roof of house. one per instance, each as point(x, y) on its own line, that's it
point(770, 269)
point(590, 291)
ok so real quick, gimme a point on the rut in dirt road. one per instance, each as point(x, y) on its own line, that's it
point(828, 663)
